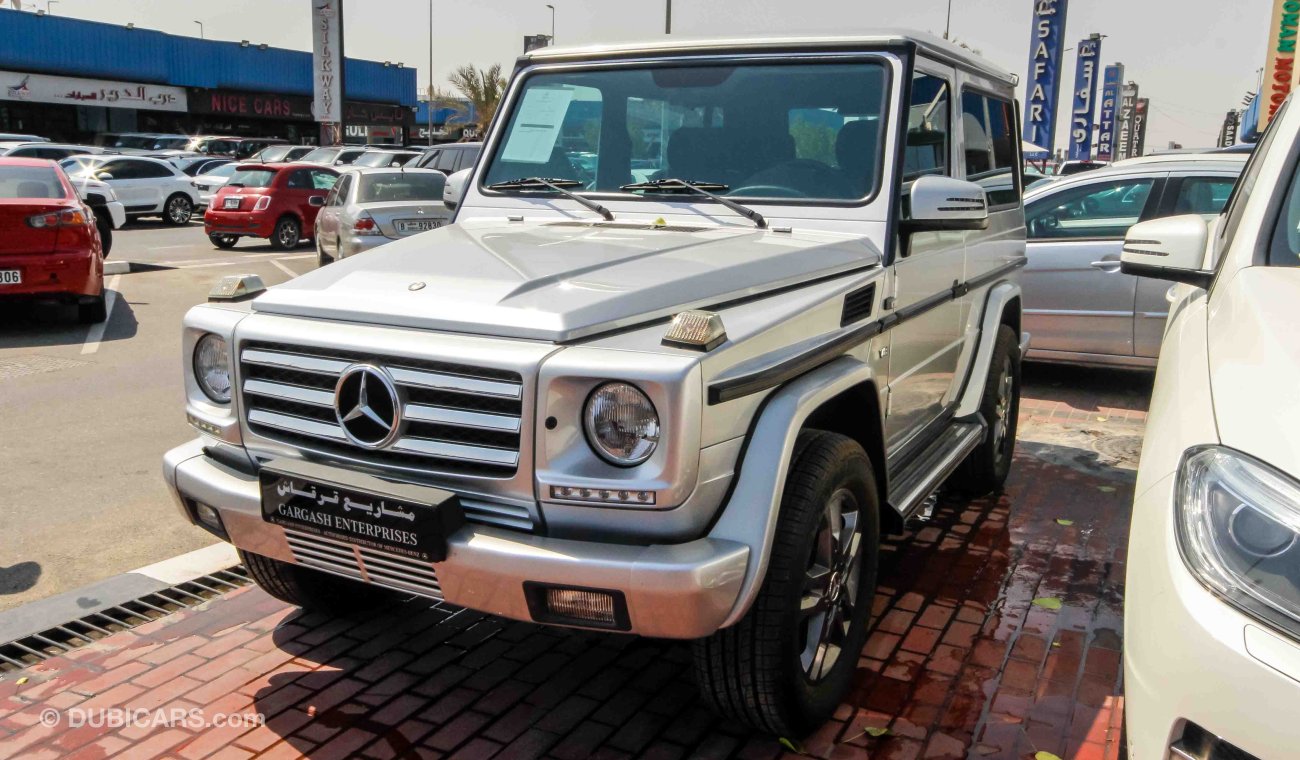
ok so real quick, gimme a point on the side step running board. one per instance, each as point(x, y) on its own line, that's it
point(916, 480)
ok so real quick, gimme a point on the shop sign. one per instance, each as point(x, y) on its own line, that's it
point(1044, 72)
point(262, 105)
point(1085, 98)
point(1109, 113)
point(327, 60)
point(45, 88)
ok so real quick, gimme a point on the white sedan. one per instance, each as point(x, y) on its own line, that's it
point(1212, 599)
point(146, 186)
point(208, 183)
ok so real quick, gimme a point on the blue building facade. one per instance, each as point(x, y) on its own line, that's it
point(70, 79)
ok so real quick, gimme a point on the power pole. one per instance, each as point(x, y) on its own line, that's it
point(668, 18)
point(429, 135)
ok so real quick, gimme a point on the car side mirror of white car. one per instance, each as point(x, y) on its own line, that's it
point(944, 203)
point(1170, 249)
point(454, 190)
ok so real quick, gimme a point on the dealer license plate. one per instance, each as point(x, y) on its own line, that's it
point(231, 203)
point(11, 276)
point(412, 226)
point(398, 525)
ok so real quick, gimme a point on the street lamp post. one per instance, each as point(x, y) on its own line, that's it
point(49, 7)
point(668, 17)
point(202, 36)
point(552, 7)
point(429, 136)
point(947, 27)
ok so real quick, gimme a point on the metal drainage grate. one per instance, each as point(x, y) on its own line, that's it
point(62, 639)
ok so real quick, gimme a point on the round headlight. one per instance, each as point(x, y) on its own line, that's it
point(212, 368)
point(621, 424)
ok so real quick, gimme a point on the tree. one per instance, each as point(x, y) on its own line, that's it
point(482, 88)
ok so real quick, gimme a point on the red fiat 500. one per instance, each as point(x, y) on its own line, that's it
point(49, 247)
point(274, 201)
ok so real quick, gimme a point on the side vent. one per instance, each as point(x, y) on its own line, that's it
point(857, 304)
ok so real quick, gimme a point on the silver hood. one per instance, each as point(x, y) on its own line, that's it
point(560, 281)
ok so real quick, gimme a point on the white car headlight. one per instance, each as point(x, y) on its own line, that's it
point(1238, 525)
point(621, 423)
point(212, 367)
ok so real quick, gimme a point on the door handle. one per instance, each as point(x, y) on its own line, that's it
point(1107, 266)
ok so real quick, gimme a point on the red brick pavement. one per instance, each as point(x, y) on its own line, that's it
point(961, 663)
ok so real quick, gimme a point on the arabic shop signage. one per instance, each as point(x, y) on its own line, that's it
point(1044, 73)
point(1085, 98)
point(1228, 134)
point(1108, 116)
point(1128, 96)
point(327, 60)
point(262, 105)
point(44, 88)
point(1279, 65)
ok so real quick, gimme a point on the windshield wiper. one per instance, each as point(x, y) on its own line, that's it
point(554, 185)
point(702, 188)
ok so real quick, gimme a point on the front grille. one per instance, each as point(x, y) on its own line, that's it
point(460, 420)
point(362, 564)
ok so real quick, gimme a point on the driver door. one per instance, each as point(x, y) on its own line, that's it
point(1076, 299)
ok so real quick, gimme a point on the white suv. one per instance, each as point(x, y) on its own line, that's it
point(146, 186)
point(1212, 609)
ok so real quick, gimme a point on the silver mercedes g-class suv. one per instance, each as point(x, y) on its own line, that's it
point(712, 317)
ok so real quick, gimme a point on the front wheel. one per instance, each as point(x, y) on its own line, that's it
point(785, 667)
point(286, 234)
point(987, 467)
point(104, 224)
point(178, 210)
point(312, 589)
point(322, 258)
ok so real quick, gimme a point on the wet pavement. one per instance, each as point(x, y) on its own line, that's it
point(998, 634)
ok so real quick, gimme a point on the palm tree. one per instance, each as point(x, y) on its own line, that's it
point(482, 88)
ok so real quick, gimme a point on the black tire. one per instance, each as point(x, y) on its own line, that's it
point(178, 210)
point(987, 467)
point(286, 235)
point(223, 241)
point(312, 589)
point(104, 224)
point(766, 670)
point(92, 311)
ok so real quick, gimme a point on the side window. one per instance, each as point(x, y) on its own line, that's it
point(1096, 210)
point(339, 192)
point(430, 159)
point(121, 169)
point(988, 139)
point(1246, 184)
point(299, 179)
point(1203, 195)
point(148, 170)
point(926, 150)
point(447, 161)
point(323, 180)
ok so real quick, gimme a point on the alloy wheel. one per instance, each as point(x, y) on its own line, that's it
point(831, 584)
point(179, 210)
point(1002, 410)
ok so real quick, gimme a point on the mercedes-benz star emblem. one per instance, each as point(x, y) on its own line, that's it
point(368, 406)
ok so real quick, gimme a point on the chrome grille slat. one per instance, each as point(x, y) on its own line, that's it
point(504, 515)
point(381, 568)
point(290, 392)
point(459, 419)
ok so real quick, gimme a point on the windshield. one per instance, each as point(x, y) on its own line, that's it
point(253, 178)
point(793, 130)
point(30, 182)
point(413, 186)
point(134, 141)
point(80, 163)
point(321, 156)
point(171, 143)
point(274, 153)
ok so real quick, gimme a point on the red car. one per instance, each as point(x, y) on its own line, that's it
point(274, 201)
point(49, 246)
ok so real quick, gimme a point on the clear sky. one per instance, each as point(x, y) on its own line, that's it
point(1194, 59)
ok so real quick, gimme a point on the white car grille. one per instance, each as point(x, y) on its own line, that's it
point(362, 564)
point(460, 420)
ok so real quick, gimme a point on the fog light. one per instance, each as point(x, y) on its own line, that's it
point(207, 515)
point(571, 605)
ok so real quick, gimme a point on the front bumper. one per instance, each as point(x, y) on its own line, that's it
point(679, 591)
point(1191, 658)
point(55, 274)
point(117, 213)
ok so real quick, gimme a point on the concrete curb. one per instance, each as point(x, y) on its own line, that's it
point(117, 267)
point(43, 614)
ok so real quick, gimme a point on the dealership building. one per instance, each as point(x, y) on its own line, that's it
point(71, 80)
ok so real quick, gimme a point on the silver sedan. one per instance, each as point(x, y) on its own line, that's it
point(370, 207)
point(1079, 308)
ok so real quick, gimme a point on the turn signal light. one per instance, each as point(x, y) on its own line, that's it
point(73, 217)
point(365, 225)
point(698, 330)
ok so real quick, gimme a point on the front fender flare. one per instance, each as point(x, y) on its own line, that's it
point(999, 296)
point(751, 513)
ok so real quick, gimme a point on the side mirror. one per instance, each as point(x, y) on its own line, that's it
point(1171, 249)
point(454, 190)
point(316, 200)
point(103, 176)
point(943, 203)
